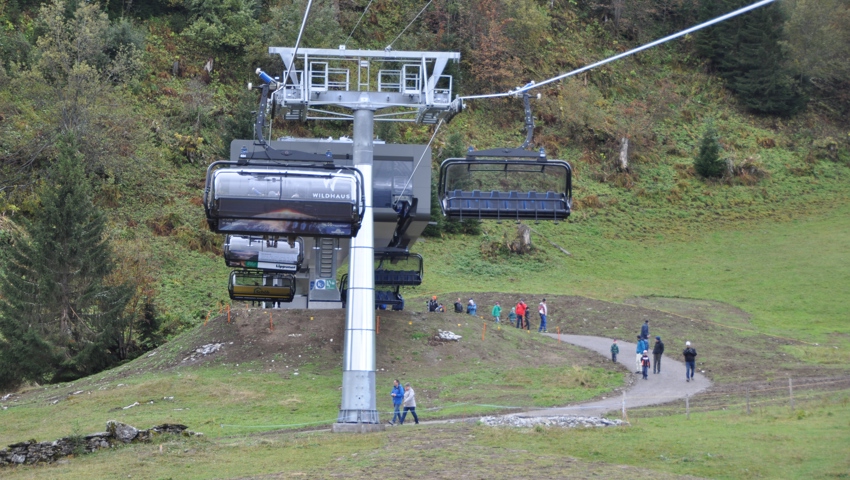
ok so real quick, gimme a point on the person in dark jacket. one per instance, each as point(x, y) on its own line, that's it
point(644, 330)
point(657, 351)
point(458, 306)
point(614, 351)
point(690, 354)
point(644, 364)
point(433, 304)
point(398, 396)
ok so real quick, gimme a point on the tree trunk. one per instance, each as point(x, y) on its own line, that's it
point(624, 155)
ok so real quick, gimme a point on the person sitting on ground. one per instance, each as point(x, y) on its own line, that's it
point(512, 316)
point(441, 308)
point(458, 306)
point(471, 307)
point(432, 305)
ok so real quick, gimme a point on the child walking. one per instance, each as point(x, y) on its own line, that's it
point(614, 351)
point(644, 364)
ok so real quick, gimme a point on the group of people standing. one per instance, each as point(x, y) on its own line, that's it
point(642, 360)
point(520, 315)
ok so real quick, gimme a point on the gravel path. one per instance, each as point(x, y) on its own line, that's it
point(664, 387)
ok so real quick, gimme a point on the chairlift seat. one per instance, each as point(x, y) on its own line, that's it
point(248, 285)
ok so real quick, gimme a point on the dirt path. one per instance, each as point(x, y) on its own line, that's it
point(667, 386)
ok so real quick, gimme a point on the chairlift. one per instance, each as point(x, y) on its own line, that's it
point(269, 253)
point(506, 183)
point(397, 267)
point(259, 286)
point(267, 198)
point(384, 298)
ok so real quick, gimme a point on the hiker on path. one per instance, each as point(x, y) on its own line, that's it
point(471, 307)
point(614, 351)
point(409, 404)
point(644, 330)
point(458, 306)
point(398, 396)
point(520, 313)
point(657, 351)
point(512, 316)
point(497, 313)
point(433, 304)
point(690, 354)
point(641, 346)
point(543, 310)
point(644, 364)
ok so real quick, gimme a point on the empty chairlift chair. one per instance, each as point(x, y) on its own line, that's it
point(522, 185)
point(268, 199)
point(248, 285)
point(397, 267)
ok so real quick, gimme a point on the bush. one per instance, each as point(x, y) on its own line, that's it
point(708, 163)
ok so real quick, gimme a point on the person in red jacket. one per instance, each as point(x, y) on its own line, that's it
point(522, 314)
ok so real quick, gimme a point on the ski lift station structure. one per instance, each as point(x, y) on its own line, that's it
point(295, 210)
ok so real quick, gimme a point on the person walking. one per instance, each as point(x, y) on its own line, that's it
point(398, 397)
point(520, 313)
point(690, 354)
point(657, 351)
point(458, 306)
point(644, 330)
point(641, 346)
point(512, 316)
point(497, 313)
point(543, 310)
point(471, 307)
point(614, 351)
point(644, 364)
point(409, 404)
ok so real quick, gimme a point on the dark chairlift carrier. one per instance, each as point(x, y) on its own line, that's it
point(397, 267)
point(268, 254)
point(387, 297)
point(506, 183)
point(257, 286)
point(289, 200)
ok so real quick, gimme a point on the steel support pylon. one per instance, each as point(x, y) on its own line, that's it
point(359, 404)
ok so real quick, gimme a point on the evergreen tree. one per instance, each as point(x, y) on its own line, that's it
point(58, 317)
point(708, 163)
point(747, 52)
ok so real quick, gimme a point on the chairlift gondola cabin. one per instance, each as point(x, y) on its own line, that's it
point(258, 286)
point(505, 184)
point(397, 267)
point(270, 199)
point(268, 254)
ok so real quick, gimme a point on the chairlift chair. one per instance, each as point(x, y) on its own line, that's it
point(505, 184)
point(397, 267)
point(259, 286)
point(267, 198)
point(269, 253)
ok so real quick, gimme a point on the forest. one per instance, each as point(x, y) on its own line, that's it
point(111, 111)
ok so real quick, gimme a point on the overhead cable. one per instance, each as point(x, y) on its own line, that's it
point(358, 23)
point(389, 47)
point(624, 54)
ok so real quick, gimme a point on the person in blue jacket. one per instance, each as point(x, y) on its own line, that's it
point(641, 346)
point(644, 330)
point(398, 396)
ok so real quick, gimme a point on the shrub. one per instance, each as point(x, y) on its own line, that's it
point(708, 163)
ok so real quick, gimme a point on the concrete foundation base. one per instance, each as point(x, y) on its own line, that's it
point(358, 427)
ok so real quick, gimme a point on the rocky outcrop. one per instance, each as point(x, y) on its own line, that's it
point(32, 452)
point(562, 421)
